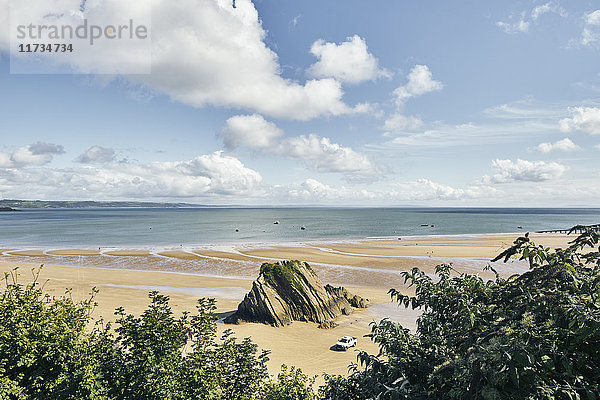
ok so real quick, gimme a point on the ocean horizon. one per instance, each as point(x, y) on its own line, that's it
point(206, 226)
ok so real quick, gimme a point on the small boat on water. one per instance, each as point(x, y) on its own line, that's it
point(424, 224)
point(276, 223)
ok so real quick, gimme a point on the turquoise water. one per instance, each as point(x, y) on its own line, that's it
point(142, 228)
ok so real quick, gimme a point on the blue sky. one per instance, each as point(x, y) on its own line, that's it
point(462, 103)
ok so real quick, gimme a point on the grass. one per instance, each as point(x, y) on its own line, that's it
point(281, 272)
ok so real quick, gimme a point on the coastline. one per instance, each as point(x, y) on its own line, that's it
point(367, 267)
point(469, 253)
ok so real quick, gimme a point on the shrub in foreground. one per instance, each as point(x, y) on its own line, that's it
point(46, 352)
point(531, 336)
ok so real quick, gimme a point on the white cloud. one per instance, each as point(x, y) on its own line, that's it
point(437, 190)
point(39, 153)
point(312, 190)
point(562, 145)
point(105, 56)
point(41, 148)
point(512, 27)
point(349, 61)
point(420, 81)
point(216, 55)
point(372, 109)
point(217, 178)
point(423, 189)
point(548, 8)
point(516, 123)
point(593, 18)
point(585, 119)
point(591, 30)
point(318, 153)
point(212, 175)
point(249, 131)
point(443, 135)
point(526, 109)
point(399, 123)
point(522, 22)
point(571, 192)
point(5, 161)
point(205, 52)
point(227, 174)
point(524, 171)
point(321, 155)
point(213, 179)
point(97, 155)
point(294, 21)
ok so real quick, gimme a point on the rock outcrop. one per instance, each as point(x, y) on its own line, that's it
point(291, 291)
point(341, 292)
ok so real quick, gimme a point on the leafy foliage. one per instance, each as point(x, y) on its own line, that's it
point(531, 336)
point(46, 352)
point(291, 384)
point(41, 345)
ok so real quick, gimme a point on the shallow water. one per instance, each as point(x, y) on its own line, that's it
point(234, 293)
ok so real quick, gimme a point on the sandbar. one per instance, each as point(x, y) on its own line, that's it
point(179, 254)
point(301, 344)
point(368, 268)
point(73, 252)
point(27, 253)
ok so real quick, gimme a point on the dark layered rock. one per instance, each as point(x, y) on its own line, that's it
point(354, 300)
point(291, 291)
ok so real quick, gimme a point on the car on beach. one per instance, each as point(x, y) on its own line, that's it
point(345, 343)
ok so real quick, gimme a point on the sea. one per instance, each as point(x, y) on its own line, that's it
point(156, 228)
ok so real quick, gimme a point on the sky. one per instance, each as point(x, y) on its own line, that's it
point(277, 102)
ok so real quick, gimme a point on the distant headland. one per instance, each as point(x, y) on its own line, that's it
point(2, 209)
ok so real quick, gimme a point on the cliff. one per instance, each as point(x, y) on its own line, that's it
point(291, 291)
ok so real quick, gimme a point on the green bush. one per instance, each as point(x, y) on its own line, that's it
point(47, 353)
point(531, 336)
point(44, 347)
point(291, 384)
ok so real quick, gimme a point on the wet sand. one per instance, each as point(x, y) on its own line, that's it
point(301, 344)
point(27, 253)
point(224, 254)
point(368, 268)
point(467, 253)
point(73, 252)
point(181, 255)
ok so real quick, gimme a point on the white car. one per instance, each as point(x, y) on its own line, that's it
point(345, 343)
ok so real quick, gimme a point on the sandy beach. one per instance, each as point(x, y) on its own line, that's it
point(368, 268)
